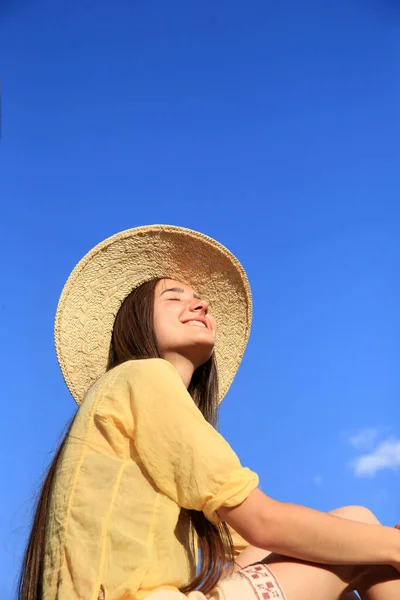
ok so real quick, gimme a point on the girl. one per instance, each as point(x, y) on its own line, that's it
point(150, 330)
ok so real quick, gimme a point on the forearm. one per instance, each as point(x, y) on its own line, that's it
point(314, 536)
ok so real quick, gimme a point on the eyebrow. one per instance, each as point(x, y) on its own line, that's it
point(179, 291)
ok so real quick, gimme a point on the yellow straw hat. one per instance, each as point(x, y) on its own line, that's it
point(104, 277)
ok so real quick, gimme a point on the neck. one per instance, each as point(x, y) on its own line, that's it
point(183, 365)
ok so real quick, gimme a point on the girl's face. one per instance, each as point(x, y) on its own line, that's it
point(182, 323)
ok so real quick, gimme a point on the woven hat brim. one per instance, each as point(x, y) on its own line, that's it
point(104, 277)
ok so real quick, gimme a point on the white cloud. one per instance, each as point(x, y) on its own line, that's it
point(364, 439)
point(385, 456)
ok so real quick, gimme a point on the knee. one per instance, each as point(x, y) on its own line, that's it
point(356, 513)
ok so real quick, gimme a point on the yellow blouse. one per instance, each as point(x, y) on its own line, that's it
point(138, 451)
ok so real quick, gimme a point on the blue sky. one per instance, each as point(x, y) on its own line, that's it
point(273, 127)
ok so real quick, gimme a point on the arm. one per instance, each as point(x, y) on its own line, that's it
point(311, 535)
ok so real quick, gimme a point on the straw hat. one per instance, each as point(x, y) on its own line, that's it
point(104, 277)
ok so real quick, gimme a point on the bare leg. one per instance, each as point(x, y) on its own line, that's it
point(376, 583)
point(309, 581)
point(302, 580)
point(380, 583)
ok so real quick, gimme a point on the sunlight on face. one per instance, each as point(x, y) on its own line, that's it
point(182, 323)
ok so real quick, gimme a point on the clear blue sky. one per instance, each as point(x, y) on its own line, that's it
point(273, 127)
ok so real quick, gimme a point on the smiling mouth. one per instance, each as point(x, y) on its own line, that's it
point(196, 324)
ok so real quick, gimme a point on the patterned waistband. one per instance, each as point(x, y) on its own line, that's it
point(262, 581)
point(256, 581)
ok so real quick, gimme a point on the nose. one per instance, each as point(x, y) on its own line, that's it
point(199, 306)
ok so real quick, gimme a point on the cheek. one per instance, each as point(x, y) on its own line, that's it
point(161, 334)
point(165, 322)
point(158, 324)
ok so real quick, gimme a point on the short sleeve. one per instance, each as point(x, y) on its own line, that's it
point(185, 456)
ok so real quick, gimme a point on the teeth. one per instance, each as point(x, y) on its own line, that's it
point(198, 323)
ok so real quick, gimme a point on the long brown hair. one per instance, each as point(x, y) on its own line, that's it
point(133, 337)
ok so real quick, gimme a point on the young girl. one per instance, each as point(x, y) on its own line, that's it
point(150, 330)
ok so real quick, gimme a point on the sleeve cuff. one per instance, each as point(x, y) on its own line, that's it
point(232, 493)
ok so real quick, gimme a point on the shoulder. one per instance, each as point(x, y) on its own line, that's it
point(144, 375)
point(143, 368)
point(134, 373)
point(136, 386)
point(129, 386)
